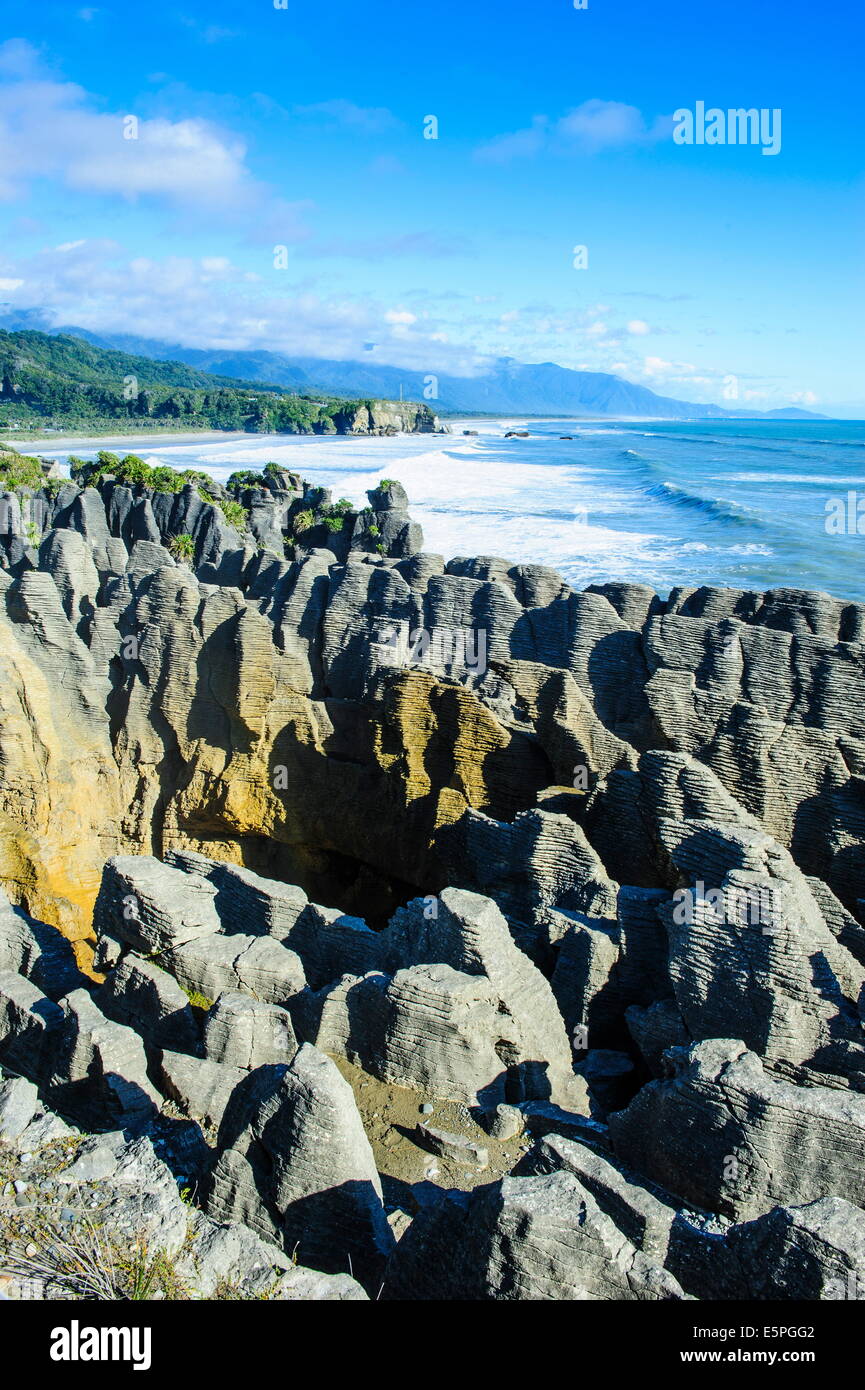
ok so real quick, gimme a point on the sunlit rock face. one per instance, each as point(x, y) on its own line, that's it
point(371, 723)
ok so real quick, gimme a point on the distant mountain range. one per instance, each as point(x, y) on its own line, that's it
point(510, 388)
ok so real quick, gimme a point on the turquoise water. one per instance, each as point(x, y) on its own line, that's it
point(740, 503)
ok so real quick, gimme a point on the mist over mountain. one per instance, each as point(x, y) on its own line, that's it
point(509, 388)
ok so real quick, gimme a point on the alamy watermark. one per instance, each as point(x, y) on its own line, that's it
point(714, 126)
point(438, 647)
point(845, 516)
point(77, 1343)
point(734, 904)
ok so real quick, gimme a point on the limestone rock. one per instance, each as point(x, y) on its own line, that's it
point(295, 1164)
point(216, 964)
point(722, 1134)
point(151, 907)
point(810, 1252)
point(640, 1214)
point(453, 1146)
point(19, 1101)
point(245, 1033)
point(36, 950)
point(99, 1069)
point(28, 1023)
point(471, 935)
point(144, 997)
point(200, 1088)
point(429, 1027)
point(522, 1238)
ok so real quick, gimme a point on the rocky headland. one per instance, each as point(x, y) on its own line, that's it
point(376, 925)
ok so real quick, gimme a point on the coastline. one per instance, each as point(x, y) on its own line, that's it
point(60, 441)
point(455, 426)
point(666, 504)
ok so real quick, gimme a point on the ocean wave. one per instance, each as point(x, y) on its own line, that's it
point(801, 479)
point(715, 507)
point(742, 442)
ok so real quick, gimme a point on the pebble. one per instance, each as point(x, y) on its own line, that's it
point(426, 1109)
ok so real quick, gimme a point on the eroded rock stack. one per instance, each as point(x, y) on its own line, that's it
point(597, 1029)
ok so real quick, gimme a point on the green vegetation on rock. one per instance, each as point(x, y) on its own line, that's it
point(182, 548)
point(132, 471)
point(236, 515)
point(56, 381)
point(18, 470)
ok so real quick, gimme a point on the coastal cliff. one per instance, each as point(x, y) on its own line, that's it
point(149, 704)
point(591, 864)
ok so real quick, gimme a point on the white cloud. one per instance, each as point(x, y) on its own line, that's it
point(212, 302)
point(370, 120)
point(638, 327)
point(51, 129)
point(208, 33)
point(657, 366)
point(19, 60)
point(517, 145)
point(601, 125)
point(589, 128)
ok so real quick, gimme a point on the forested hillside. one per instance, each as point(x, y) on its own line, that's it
point(61, 382)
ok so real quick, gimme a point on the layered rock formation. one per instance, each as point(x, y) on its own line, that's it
point(580, 876)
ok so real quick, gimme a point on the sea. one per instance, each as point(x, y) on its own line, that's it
point(743, 503)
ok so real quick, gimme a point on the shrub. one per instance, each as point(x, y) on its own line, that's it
point(304, 521)
point(198, 1001)
point(165, 479)
point(182, 547)
point(387, 482)
point(244, 477)
point(17, 470)
point(334, 523)
point(83, 1261)
point(234, 513)
point(133, 470)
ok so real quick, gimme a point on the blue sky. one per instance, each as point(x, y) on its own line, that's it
point(304, 128)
